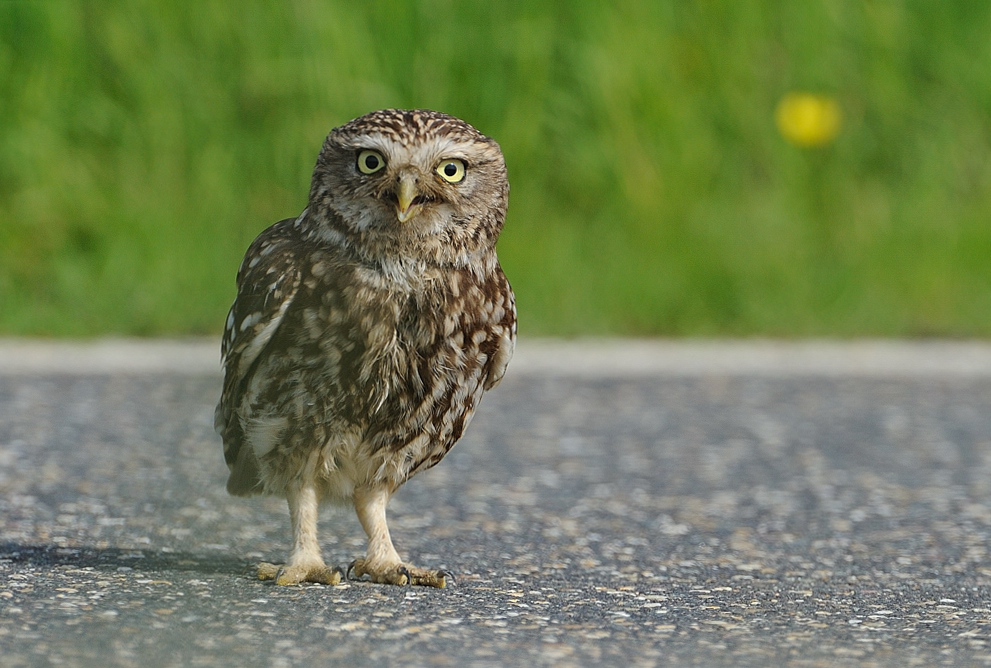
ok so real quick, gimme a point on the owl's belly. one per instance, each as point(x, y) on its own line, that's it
point(380, 423)
point(424, 394)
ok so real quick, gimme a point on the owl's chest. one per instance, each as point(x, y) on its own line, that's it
point(371, 338)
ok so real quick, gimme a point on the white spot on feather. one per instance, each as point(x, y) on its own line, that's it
point(250, 321)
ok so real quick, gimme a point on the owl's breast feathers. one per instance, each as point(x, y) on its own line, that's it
point(317, 342)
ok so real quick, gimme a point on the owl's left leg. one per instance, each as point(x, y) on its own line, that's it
point(382, 563)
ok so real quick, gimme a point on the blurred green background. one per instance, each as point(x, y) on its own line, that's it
point(144, 144)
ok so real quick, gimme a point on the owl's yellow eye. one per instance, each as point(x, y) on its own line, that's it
point(370, 161)
point(452, 170)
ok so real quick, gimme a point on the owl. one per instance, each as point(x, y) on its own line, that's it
point(365, 331)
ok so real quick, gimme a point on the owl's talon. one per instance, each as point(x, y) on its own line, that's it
point(287, 574)
point(425, 578)
point(267, 571)
point(401, 575)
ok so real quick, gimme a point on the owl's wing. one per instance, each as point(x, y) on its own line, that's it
point(505, 339)
point(267, 283)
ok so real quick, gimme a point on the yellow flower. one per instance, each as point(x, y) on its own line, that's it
point(808, 120)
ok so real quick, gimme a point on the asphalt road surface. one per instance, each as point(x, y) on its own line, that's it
point(612, 504)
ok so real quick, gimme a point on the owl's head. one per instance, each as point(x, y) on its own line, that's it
point(399, 179)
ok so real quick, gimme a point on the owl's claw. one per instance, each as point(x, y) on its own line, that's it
point(401, 575)
point(296, 574)
point(350, 569)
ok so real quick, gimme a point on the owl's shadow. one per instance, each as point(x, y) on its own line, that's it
point(114, 559)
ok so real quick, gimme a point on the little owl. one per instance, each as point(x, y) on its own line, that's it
point(366, 330)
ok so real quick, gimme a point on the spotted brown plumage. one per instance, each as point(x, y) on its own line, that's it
point(366, 330)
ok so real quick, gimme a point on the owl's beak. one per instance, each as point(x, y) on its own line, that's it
point(407, 205)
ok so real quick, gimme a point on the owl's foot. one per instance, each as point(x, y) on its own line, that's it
point(398, 575)
point(297, 574)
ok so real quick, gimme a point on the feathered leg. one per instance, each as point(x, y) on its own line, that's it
point(305, 563)
point(382, 563)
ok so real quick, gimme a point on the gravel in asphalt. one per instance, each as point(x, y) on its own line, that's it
point(705, 514)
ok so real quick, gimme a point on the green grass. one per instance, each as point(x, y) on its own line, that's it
point(143, 145)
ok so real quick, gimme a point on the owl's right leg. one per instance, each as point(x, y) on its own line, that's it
point(305, 563)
